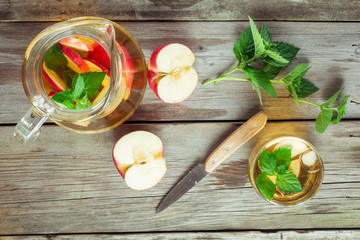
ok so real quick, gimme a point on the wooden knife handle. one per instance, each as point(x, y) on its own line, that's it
point(235, 140)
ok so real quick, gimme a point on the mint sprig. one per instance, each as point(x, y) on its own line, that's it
point(253, 46)
point(277, 164)
point(83, 86)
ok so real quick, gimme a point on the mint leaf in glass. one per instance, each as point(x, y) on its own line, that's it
point(288, 183)
point(265, 185)
point(54, 58)
point(83, 102)
point(78, 87)
point(93, 81)
point(283, 156)
point(267, 163)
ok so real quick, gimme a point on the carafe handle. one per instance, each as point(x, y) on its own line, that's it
point(28, 129)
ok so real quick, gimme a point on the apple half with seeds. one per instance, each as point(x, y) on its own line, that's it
point(170, 72)
point(139, 159)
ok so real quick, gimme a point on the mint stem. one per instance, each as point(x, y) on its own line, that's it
point(216, 80)
point(229, 72)
point(304, 101)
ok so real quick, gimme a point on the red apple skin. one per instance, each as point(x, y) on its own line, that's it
point(52, 83)
point(129, 66)
point(104, 69)
point(152, 60)
point(99, 54)
point(73, 56)
point(76, 43)
point(153, 82)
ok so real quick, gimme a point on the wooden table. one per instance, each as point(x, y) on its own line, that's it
point(65, 185)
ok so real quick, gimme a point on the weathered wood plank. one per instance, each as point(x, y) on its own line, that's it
point(329, 235)
point(318, 10)
point(67, 183)
point(327, 47)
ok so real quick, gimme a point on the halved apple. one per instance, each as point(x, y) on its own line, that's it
point(139, 160)
point(170, 72)
point(75, 62)
point(53, 79)
point(297, 146)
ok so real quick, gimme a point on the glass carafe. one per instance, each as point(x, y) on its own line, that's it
point(124, 94)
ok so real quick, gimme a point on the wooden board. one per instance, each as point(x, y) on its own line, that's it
point(327, 47)
point(318, 10)
point(293, 235)
point(67, 183)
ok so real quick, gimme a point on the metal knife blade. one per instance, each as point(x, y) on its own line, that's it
point(223, 151)
point(184, 185)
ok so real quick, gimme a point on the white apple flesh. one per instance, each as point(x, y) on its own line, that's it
point(139, 160)
point(297, 146)
point(170, 72)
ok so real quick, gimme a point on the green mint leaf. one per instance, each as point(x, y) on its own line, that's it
point(63, 99)
point(276, 56)
point(271, 71)
point(69, 76)
point(244, 49)
point(62, 96)
point(68, 104)
point(305, 88)
point(281, 169)
point(93, 81)
point(288, 183)
point(258, 42)
point(323, 120)
point(256, 87)
point(285, 50)
point(265, 185)
point(283, 156)
point(333, 98)
point(78, 87)
point(260, 78)
point(341, 109)
point(295, 75)
point(267, 163)
point(293, 79)
point(54, 58)
point(265, 33)
point(83, 102)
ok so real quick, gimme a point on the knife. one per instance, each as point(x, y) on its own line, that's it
point(222, 152)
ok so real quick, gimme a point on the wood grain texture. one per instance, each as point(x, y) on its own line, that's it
point(317, 10)
point(327, 47)
point(281, 235)
point(67, 183)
